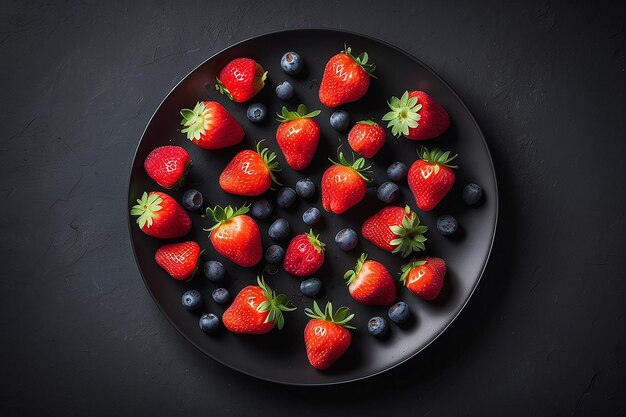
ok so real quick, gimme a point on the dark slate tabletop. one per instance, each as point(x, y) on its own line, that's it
point(543, 334)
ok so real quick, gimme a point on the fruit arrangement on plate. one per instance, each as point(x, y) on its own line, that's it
point(255, 174)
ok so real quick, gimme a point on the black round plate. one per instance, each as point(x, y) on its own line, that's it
point(280, 356)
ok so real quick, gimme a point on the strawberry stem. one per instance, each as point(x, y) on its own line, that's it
point(361, 60)
point(315, 241)
point(194, 121)
point(146, 208)
point(352, 274)
point(221, 215)
point(341, 317)
point(437, 157)
point(407, 268)
point(404, 114)
point(273, 303)
point(301, 113)
point(269, 159)
point(409, 235)
point(357, 164)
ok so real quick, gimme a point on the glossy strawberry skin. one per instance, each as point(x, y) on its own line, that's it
point(302, 258)
point(434, 119)
point(373, 285)
point(367, 138)
point(180, 260)
point(238, 240)
point(342, 188)
point(428, 186)
point(243, 77)
point(171, 221)
point(167, 165)
point(426, 281)
point(242, 315)
point(298, 140)
point(344, 81)
point(247, 174)
point(325, 342)
point(377, 230)
point(219, 129)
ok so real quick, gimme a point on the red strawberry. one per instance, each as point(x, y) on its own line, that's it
point(241, 79)
point(168, 165)
point(417, 116)
point(250, 173)
point(210, 126)
point(346, 78)
point(235, 236)
point(367, 137)
point(180, 260)
point(256, 310)
point(161, 216)
point(326, 335)
point(305, 255)
point(424, 277)
point(344, 184)
point(298, 136)
point(370, 283)
point(395, 229)
point(431, 177)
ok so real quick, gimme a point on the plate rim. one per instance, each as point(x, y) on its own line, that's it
point(131, 222)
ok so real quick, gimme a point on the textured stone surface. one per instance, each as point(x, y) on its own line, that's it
point(541, 336)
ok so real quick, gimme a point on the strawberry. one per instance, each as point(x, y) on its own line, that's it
point(210, 126)
point(250, 173)
point(424, 277)
point(395, 229)
point(298, 136)
point(344, 184)
point(180, 260)
point(346, 78)
point(370, 283)
point(168, 165)
point(256, 310)
point(241, 79)
point(416, 115)
point(305, 255)
point(431, 177)
point(235, 236)
point(161, 216)
point(326, 335)
point(367, 137)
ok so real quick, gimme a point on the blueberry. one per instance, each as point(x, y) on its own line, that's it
point(274, 254)
point(472, 194)
point(220, 295)
point(286, 197)
point(257, 112)
point(388, 192)
point(291, 63)
point(279, 230)
point(214, 270)
point(340, 120)
point(397, 171)
point(311, 216)
point(346, 239)
point(284, 90)
point(271, 269)
point(399, 312)
point(447, 225)
point(192, 200)
point(208, 322)
point(191, 300)
point(261, 209)
point(377, 326)
point(310, 287)
point(305, 188)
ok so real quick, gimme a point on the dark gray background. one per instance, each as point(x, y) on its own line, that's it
point(543, 334)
